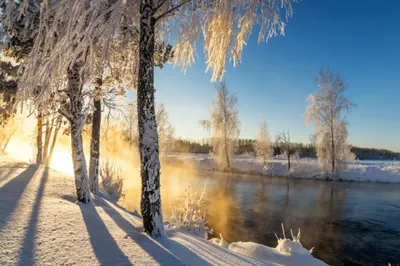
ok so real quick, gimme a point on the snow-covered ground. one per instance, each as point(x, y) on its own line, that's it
point(41, 224)
point(369, 171)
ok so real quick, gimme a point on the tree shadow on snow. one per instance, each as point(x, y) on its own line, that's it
point(164, 250)
point(104, 246)
point(70, 198)
point(7, 170)
point(12, 192)
point(26, 255)
point(218, 252)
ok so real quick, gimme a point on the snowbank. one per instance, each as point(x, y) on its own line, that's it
point(287, 252)
point(368, 171)
point(41, 224)
point(282, 254)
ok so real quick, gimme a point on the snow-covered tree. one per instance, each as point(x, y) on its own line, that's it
point(20, 23)
point(164, 126)
point(8, 90)
point(285, 144)
point(61, 62)
point(223, 25)
point(165, 129)
point(123, 77)
point(262, 146)
point(130, 123)
point(224, 125)
point(327, 110)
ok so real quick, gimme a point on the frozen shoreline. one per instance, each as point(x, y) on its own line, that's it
point(358, 171)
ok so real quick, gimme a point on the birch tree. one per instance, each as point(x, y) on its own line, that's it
point(130, 115)
point(165, 129)
point(223, 125)
point(62, 60)
point(327, 111)
point(262, 146)
point(223, 26)
point(285, 144)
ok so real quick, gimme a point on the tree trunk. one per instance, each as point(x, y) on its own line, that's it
point(77, 120)
point(79, 162)
point(53, 143)
point(49, 130)
point(95, 143)
point(39, 141)
point(227, 154)
point(226, 146)
point(288, 158)
point(333, 150)
point(148, 138)
point(8, 138)
point(227, 158)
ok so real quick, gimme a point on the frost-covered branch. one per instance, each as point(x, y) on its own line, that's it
point(65, 114)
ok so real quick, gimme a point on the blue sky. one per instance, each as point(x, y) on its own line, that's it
point(357, 38)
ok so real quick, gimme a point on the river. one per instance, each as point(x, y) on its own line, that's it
point(346, 223)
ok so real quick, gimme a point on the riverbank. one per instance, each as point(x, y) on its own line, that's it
point(368, 171)
point(41, 224)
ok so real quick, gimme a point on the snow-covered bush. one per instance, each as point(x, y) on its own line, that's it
point(189, 216)
point(112, 178)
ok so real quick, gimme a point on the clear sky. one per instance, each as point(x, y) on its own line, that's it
point(357, 38)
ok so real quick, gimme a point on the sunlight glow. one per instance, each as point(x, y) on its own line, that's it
point(62, 162)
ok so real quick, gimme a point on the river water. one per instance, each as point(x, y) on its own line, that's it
point(346, 223)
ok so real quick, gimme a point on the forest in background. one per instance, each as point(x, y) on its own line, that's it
point(246, 147)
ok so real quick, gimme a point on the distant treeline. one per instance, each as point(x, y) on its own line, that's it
point(181, 145)
point(246, 147)
point(374, 154)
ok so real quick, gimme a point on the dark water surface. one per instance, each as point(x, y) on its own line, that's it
point(346, 223)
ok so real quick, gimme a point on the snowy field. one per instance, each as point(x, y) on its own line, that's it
point(40, 224)
point(368, 171)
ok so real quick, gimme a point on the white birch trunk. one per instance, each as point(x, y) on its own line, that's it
point(148, 138)
point(77, 120)
point(79, 162)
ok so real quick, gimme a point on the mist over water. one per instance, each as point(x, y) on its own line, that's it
point(346, 223)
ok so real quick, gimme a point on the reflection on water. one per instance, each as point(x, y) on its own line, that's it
point(346, 223)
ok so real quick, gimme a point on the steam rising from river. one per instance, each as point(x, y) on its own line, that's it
point(114, 147)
